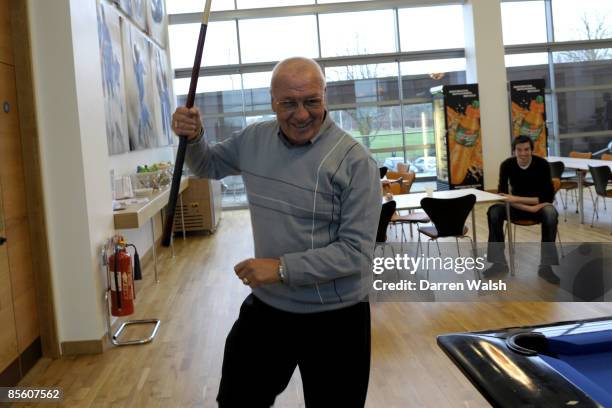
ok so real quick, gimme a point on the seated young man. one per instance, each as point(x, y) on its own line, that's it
point(531, 195)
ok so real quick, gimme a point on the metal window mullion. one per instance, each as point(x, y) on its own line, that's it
point(596, 133)
point(327, 62)
point(550, 37)
point(591, 88)
point(400, 85)
point(300, 10)
point(318, 35)
point(242, 93)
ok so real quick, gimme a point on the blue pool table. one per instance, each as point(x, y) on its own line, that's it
point(566, 364)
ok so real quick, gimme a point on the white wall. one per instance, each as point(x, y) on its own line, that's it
point(484, 53)
point(71, 123)
point(75, 165)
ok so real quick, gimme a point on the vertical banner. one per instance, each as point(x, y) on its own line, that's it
point(529, 112)
point(462, 107)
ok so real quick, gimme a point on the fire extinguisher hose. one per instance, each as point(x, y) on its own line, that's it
point(137, 271)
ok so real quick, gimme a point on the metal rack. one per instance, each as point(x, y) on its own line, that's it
point(114, 337)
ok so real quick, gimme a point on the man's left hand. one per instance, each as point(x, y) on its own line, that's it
point(256, 272)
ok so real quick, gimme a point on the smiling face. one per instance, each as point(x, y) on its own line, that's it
point(523, 152)
point(298, 99)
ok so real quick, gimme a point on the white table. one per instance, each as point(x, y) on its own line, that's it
point(413, 201)
point(581, 166)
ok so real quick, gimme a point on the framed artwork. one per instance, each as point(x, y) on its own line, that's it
point(157, 21)
point(139, 13)
point(163, 95)
point(135, 9)
point(113, 83)
point(142, 126)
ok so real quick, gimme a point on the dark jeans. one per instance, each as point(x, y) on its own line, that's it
point(547, 216)
point(332, 350)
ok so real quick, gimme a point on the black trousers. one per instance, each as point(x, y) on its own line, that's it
point(332, 350)
point(547, 216)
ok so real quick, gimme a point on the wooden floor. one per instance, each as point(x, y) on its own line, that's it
point(198, 300)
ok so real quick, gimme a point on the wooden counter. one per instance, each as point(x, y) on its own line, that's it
point(135, 216)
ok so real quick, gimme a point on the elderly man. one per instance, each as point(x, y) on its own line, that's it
point(531, 198)
point(314, 196)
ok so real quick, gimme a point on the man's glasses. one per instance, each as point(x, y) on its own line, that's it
point(309, 104)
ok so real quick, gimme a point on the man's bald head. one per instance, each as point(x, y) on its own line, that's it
point(290, 69)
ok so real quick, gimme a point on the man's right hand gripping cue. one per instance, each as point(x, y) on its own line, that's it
point(186, 122)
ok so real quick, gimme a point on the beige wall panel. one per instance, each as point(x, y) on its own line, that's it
point(6, 48)
point(26, 319)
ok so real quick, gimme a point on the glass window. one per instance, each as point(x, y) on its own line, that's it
point(272, 39)
point(583, 68)
point(364, 32)
point(196, 6)
point(430, 28)
point(524, 22)
point(221, 47)
point(338, 1)
point(527, 66)
point(376, 127)
point(219, 128)
point(248, 4)
point(583, 144)
point(582, 20)
point(418, 77)
point(214, 95)
point(420, 144)
point(361, 83)
point(257, 91)
point(584, 111)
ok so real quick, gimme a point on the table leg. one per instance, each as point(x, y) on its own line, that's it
point(510, 238)
point(182, 217)
point(580, 176)
point(152, 221)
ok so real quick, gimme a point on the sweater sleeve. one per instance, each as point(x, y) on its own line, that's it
point(504, 177)
point(216, 161)
point(352, 252)
point(546, 192)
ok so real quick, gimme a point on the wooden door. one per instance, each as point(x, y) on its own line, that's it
point(8, 333)
point(19, 326)
point(16, 213)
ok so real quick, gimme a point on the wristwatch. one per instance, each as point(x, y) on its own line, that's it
point(282, 274)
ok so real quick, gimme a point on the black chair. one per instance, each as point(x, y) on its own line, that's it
point(556, 172)
point(448, 216)
point(386, 212)
point(601, 175)
point(383, 171)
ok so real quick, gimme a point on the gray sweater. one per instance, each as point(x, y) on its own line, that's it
point(315, 206)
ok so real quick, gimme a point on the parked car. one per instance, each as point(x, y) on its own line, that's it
point(391, 162)
point(425, 164)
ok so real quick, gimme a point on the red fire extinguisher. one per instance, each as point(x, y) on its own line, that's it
point(122, 281)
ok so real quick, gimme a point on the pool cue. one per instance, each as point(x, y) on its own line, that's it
point(182, 147)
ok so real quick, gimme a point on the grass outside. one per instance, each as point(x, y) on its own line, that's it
point(393, 138)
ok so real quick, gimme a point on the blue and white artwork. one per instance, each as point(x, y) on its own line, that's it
point(139, 13)
point(164, 97)
point(139, 78)
point(135, 10)
point(157, 21)
point(109, 33)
